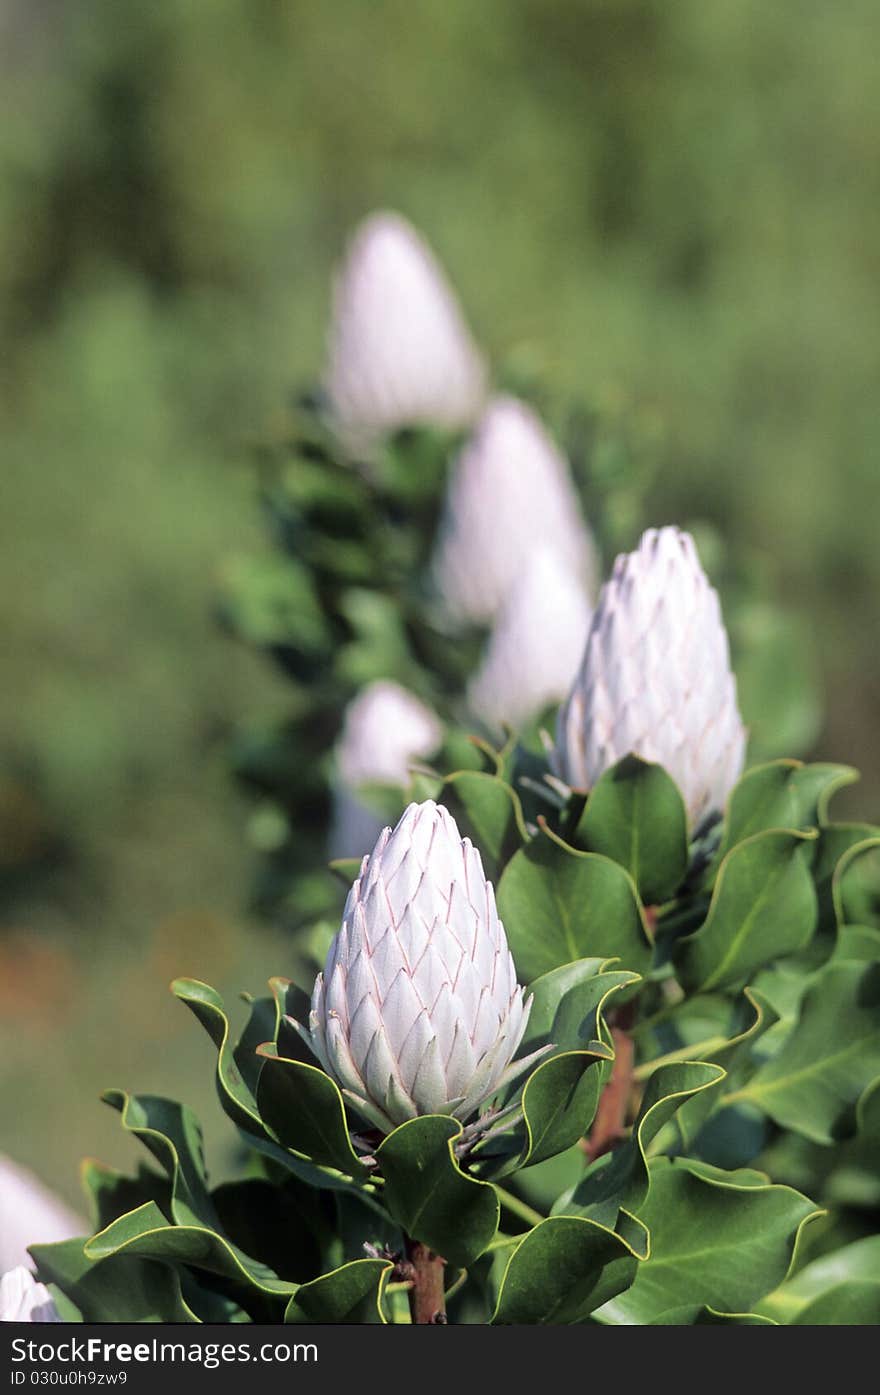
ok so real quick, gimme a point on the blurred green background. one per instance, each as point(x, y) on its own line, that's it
point(671, 206)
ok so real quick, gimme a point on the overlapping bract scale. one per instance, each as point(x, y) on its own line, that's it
point(418, 1010)
point(655, 679)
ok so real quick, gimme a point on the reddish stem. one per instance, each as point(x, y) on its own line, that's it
point(426, 1298)
point(609, 1125)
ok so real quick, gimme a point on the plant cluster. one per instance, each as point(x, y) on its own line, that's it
point(596, 1038)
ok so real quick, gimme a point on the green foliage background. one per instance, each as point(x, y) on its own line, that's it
point(673, 207)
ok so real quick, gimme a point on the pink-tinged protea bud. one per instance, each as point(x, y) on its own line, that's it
point(385, 729)
point(511, 492)
point(418, 1010)
point(30, 1215)
point(534, 649)
point(400, 353)
point(22, 1299)
point(655, 679)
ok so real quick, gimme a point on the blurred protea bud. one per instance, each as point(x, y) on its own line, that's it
point(29, 1215)
point(511, 492)
point(418, 1010)
point(385, 729)
point(655, 678)
point(535, 647)
point(22, 1299)
point(400, 353)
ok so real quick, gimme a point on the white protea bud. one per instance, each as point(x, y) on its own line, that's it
point(655, 678)
point(534, 650)
point(385, 729)
point(30, 1215)
point(418, 1010)
point(22, 1299)
point(511, 491)
point(400, 353)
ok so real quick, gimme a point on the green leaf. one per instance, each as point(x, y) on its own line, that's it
point(281, 1223)
point(112, 1193)
point(559, 1100)
point(428, 1194)
point(568, 1005)
point(823, 1285)
point(566, 1268)
point(621, 1178)
point(117, 1289)
point(487, 811)
point(699, 1315)
point(352, 1293)
point(860, 942)
point(716, 1243)
point(856, 1303)
point(814, 1082)
point(837, 841)
point(559, 905)
point(752, 1017)
point(236, 1095)
point(782, 794)
point(763, 907)
point(304, 1109)
point(636, 816)
point(146, 1233)
point(173, 1135)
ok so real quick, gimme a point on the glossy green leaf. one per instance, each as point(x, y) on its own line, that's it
point(568, 1005)
point(621, 1178)
point(145, 1233)
point(117, 1289)
point(559, 905)
point(304, 1109)
point(428, 1194)
point(751, 1017)
point(352, 1293)
point(836, 842)
point(861, 942)
point(782, 794)
point(713, 1243)
point(852, 1304)
point(236, 1095)
point(828, 1278)
point(636, 816)
point(559, 1100)
point(763, 907)
point(814, 1082)
point(173, 1135)
point(112, 1193)
point(488, 812)
point(700, 1315)
point(566, 1268)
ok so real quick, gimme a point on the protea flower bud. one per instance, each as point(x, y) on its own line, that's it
point(655, 678)
point(511, 492)
point(22, 1299)
point(534, 649)
point(400, 353)
point(29, 1215)
point(418, 1010)
point(385, 729)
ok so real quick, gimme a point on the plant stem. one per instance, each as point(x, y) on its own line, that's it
point(427, 1302)
point(519, 1208)
point(610, 1122)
